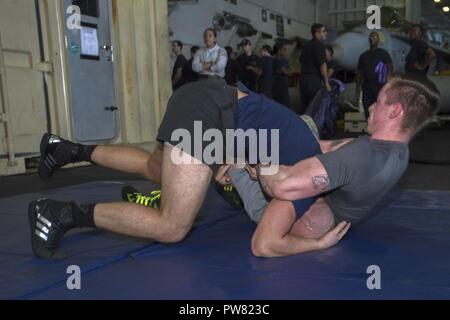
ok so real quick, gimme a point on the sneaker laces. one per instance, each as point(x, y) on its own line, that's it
point(228, 188)
point(148, 201)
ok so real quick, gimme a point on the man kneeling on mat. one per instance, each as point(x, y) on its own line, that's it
point(211, 102)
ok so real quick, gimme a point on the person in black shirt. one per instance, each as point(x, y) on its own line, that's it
point(314, 73)
point(421, 55)
point(232, 68)
point(332, 65)
point(281, 72)
point(266, 78)
point(188, 75)
point(177, 47)
point(374, 70)
point(249, 66)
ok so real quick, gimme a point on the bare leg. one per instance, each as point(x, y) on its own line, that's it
point(315, 223)
point(130, 160)
point(178, 208)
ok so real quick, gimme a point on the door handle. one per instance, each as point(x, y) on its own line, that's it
point(111, 108)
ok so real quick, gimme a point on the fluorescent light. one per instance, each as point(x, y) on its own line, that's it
point(446, 9)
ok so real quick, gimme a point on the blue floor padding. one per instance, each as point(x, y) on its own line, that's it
point(409, 240)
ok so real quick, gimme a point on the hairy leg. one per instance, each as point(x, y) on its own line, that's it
point(130, 160)
point(178, 207)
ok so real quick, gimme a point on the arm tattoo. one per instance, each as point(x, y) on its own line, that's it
point(321, 183)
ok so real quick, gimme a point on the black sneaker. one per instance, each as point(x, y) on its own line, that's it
point(132, 195)
point(56, 153)
point(49, 221)
point(230, 195)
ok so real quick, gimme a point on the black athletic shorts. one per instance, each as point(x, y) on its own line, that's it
point(211, 102)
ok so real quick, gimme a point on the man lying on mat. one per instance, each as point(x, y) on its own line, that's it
point(353, 178)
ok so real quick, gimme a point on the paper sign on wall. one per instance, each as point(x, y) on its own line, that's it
point(89, 42)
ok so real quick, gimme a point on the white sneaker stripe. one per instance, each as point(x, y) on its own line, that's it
point(41, 235)
point(44, 221)
point(42, 228)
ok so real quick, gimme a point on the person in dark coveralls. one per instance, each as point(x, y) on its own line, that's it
point(281, 72)
point(249, 66)
point(232, 68)
point(332, 65)
point(374, 70)
point(420, 56)
point(177, 72)
point(314, 73)
point(188, 75)
point(266, 78)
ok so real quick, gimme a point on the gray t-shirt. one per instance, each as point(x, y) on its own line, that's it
point(361, 173)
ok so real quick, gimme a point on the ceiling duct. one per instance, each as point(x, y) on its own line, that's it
point(226, 21)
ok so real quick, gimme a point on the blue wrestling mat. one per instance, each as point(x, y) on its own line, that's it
point(409, 241)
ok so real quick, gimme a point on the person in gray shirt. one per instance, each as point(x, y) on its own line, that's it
point(350, 181)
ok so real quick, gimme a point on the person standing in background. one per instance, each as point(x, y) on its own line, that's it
point(211, 60)
point(314, 73)
point(232, 68)
point(249, 66)
point(265, 82)
point(177, 71)
point(281, 72)
point(332, 64)
point(420, 56)
point(374, 70)
point(188, 74)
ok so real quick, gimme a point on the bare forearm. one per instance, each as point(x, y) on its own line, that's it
point(287, 246)
point(324, 72)
point(197, 65)
point(429, 58)
point(330, 73)
point(266, 184)
point(177, 77)
point(390, 71)
point(358, 81)
point(270, 182)
point(255, 70)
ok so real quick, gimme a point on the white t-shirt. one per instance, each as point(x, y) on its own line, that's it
point(217, 55)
